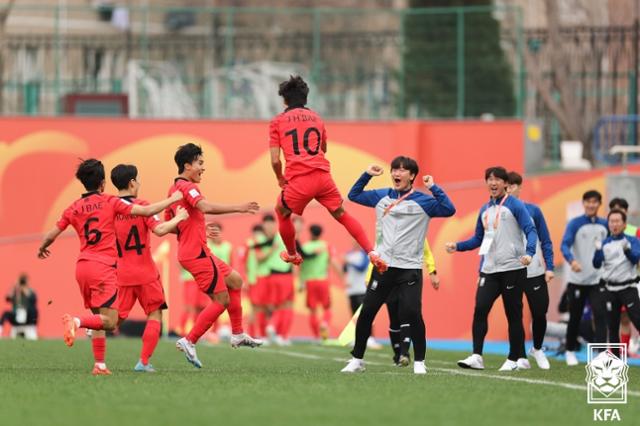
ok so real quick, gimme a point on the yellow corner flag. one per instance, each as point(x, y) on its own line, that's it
point(348, 335)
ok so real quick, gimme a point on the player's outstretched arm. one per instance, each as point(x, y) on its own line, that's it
point(49, 238)
point(210, 208)
point(170, 226)
point(155, 208)
point(276, 165)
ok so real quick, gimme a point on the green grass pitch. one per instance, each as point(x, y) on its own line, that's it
point(45, 382)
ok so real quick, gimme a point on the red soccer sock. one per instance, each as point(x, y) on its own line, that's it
point(150, 339)
point(625, 338)
point(235, 310)
point(287, 232)
point(252, 327)
point(261, 322)
point(184, 318)
point(314, 324)
point(205, 320)
point(276, 321)
point(356, 230)
point(94, 322)
point(99, 345)
point(326, 317)
point(286, 322)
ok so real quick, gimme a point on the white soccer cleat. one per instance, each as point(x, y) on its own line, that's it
point(419, 367)
point(509, 366)
point(189, 350)
point(571, 358)
point(523, 364)
point(244, 339)
point(355, 365)
point(473, 362)
point(541, 358)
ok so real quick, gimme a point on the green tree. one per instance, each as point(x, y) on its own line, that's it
point(431, 62)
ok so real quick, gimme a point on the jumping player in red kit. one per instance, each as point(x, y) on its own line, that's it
point(222, 284)
point(92, 217)
point(138, 276)
point(299, 132)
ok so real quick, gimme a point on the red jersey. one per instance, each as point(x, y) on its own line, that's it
point(300, 133)
point(192, 236)
point(133, 234)
point(92, 217)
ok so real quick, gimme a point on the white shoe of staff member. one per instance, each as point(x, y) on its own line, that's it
point(523, 364)
point(571, 358)
point(419, 367)
point(540, 357)
point(473, 362)
point(509, 366)
point(355, 365)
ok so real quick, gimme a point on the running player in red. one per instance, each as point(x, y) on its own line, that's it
point(194, 255)
point(299, 132)
point(92, 216)
point(138, 276)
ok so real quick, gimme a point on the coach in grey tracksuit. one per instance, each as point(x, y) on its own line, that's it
point(618, 255)
point(500, 227)
point(578, 248)
point(402, 219)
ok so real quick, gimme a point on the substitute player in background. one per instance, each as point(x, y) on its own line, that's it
point(314, 274)
point(299, 132)
point(578, 249)
point(618, 256)
point(213, 276)
point(92, 217)
point(631, 230)
point(499, 234)
point(138, 276)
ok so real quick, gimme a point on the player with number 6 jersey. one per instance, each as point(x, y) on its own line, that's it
point(92, 217)
point(138, 276)
point(300, 134)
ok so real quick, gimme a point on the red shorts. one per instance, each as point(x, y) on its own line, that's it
point(259, 292)
point(280, 288)
point(318, 185)
point(318, 294)
point(193, 296)
point(150, 296)
point(623, 308)
point(98, 284)
point(208, 272)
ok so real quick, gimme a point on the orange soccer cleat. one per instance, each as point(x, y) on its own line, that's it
point(97, 371)
point(69, 329)
point(296, 259)
point(377, 261)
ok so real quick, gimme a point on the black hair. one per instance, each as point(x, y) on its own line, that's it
point(514, 178)
point(592, 194)
point(619, 202)
point(294, 91)
point(316, 230)
point(122, 174)
point(268, 218)
point(23, 278)
point(620, 212)
point(186, 154)
point(406, 163)
point(257, 228)
point(91, 173)
point(498, 172)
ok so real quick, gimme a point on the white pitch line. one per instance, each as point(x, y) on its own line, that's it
point(450, 371)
